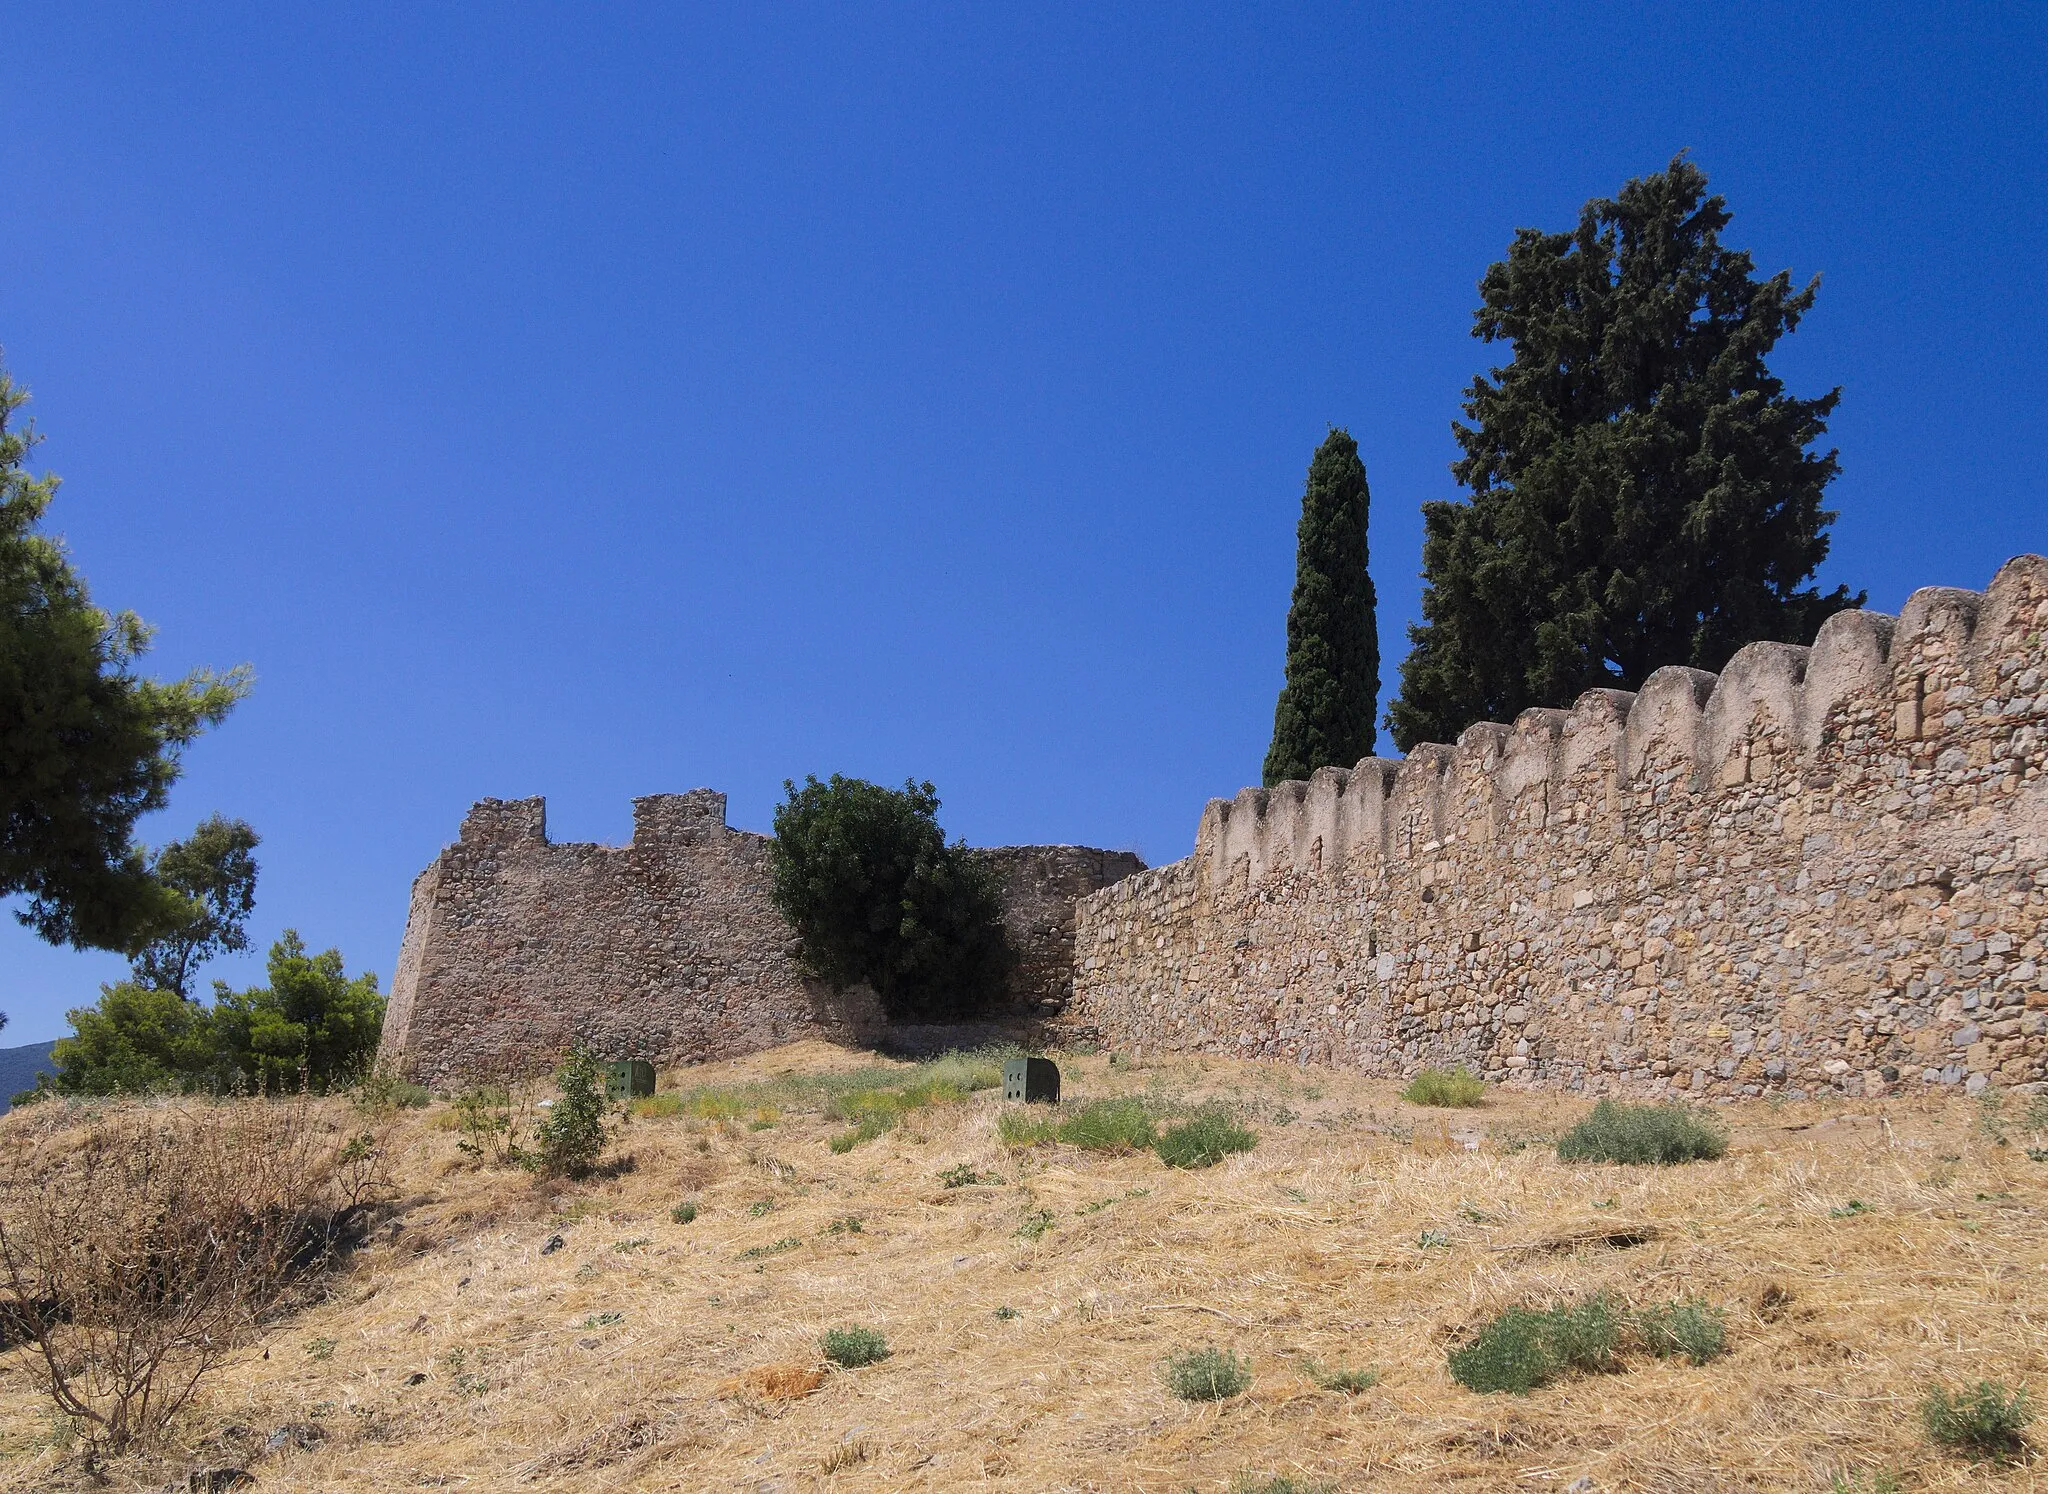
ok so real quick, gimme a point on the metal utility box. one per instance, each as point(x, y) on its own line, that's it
point(1031, 1079)
point(628, 1079)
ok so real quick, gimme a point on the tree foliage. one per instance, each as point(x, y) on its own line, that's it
point(1325, 713)
point(86, 744)
point(1642, 489)
point(311, 1022)
point(865, 877)
point(214, 874)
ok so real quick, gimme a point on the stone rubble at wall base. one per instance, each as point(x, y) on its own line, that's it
point(1824, 871)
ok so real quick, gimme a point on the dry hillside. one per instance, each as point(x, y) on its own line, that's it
point(1863, 1253)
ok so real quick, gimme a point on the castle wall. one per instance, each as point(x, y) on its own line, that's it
point(668, 948)
point(1826, 869)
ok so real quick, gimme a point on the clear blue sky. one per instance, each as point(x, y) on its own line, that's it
point(598, 401)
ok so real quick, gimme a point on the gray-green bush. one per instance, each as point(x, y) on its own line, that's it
point(1692, 1329)
point(1985, 1420)
point(1659, 1134)
point(1453, 1088)
point(1203, 1140)
point(1526, 1347)
point(852, 1347)
point(1208, 1374)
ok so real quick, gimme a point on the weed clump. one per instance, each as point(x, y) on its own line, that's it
point(1692, 1329)
point(1119, 1125)
point(1457, 1088)
point(683, 1213)
point(1208, 1374)
point(1985, 1420)
point(1524, 1347)
point(1661, 1134)
point(573, 1134)
point(1279, 1483)
point(850, 1348)
point(1204, 1140)
point(1349, 1381)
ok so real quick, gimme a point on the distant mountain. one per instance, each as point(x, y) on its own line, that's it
point(18, 1068)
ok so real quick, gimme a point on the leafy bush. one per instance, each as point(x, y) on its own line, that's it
point(1986, 1420)
point(850, 1348)
point(1204, 1140)
point(1660, 1134)
point(684, 1212)
point(1457, 1088)
point(1349, 1381)
point(573, 1134)
point(865, 877)
point(1208, 1375)
point(1524, 1348)
point(1119, 1125)
point(1693, 1329)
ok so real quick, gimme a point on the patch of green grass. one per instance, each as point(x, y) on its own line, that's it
point(320, 1348)
point(684, 1212)
point(849, 1225)
point(1661, 1134)
point(1203, 1140)
point(1457, 1088)
point(759, 1207)
point(1985, 1420)
point(603, 1319)
point(1883, 1481)
point(870, 1100)
point(1349, 1381)
point(760, 1252)
point(1207, 1374)
point(962, 1175)
point(1433, 1239)
point(1524, 1347)
point(1022, 1128)
point(1123, 1124)
point(1279, 1483)
point(1692, 1329)
point(1036, 1226)
point(627, 1247)
point(1850, 1209)
point(852, 1347)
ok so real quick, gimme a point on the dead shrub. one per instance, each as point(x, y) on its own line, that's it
point(136, 1255)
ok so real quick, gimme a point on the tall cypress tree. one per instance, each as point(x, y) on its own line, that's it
point(1642, 492)
point(1325, 712)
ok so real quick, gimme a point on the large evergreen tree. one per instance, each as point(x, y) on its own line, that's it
point(1642, 491)
point(1325, 712)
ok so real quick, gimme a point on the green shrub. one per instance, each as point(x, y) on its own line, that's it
point(850, 1348)
point(684, 1213)
point(1349, 1381)
point(1279, 1483)
point(381, 1090)
point(1119, 1125)
point(1208, 1375)
point(1985, 1420)
point(865, 877)
point(1660, 1134)
point(1204, 1140)
point(572, 1135)
point(1022, 1128)
point(1458, 1088)
point(1524, 1348)
point(1693, 1329)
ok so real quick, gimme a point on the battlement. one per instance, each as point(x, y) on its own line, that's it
point(1615, 891)
point(1762, 720)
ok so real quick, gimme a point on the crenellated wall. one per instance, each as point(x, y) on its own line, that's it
point(668, 948)
point(1826, 868)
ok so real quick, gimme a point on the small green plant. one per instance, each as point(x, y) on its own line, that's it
point(1524, 1348)
point(684, 1212)
point(1849, 1210)
point(759, 1207)
point(1349, 1381)
point(850, 1348)
point(1036, 1226)
point(491, 1118)
point(1119, 1125)
point(1208, 1374)
point(381, 1090)
point(1279, 1483)
point(573, 1134)
point(1691, 1329)
point(320, 1348)
point(1007, 1313)
point(1021, 1128)
point(1985, 1420)
point(627, 1247)
point(603, 1319)
point(1661, 1134)
point(1882, 1481)
point(1433, 1239)
point(961, 1175)
point(761, 1252)
point(848, 1225)
point(1204, 1140)
point(1457, 1088)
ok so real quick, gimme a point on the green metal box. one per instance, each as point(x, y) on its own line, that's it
point(628, 1079)
point(1031, 1079)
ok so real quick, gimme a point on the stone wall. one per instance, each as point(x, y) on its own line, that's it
point(1824, 870)
point(668, 948)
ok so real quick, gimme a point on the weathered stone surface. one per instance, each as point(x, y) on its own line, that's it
point(668, 948)
point(1825, 870)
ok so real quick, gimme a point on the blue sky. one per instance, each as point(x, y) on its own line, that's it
point(599, 401)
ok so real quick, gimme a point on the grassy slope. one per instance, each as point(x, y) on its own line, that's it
point(1304, 1248)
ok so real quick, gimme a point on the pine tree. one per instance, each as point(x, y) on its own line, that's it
point(1325, 711)
point(1642, 492)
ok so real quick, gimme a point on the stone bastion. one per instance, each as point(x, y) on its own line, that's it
point(1825, 869)
point(668, 948)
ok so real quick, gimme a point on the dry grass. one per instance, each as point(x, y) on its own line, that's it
point(1300, 1253)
